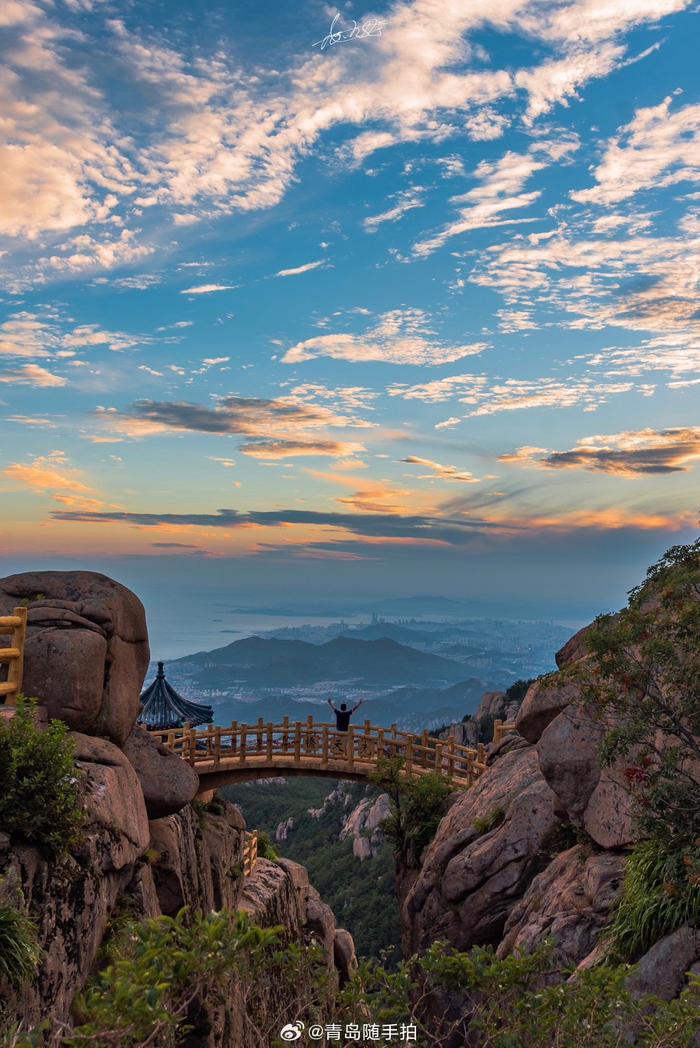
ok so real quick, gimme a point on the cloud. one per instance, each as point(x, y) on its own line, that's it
point(48, 473)
point(420, 528)
point(629, 454)
point(284, 418)
point(443, 472)
point(32, 375)
point(301, 269)
point(401, 336)
point(406, 200)
point(658, 148)
point(208, 289)
point(499, 190)
point(280, 449)
point(440, 389)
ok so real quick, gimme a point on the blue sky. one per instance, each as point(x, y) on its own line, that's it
point(413, 311)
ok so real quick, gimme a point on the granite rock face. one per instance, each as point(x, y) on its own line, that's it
point(569, 903)
point(471, 876)
point(87, 648)
point(168, 782)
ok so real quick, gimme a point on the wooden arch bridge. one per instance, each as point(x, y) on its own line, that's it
point(240, 752)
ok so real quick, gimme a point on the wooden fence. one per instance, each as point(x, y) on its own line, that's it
point(500, 728)
point(250, 852)
point(256, 750)
point(15, 627)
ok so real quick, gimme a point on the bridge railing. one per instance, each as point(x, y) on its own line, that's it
point(303, 743)
point(501, 728)
point(15, 627)
point(250, 852)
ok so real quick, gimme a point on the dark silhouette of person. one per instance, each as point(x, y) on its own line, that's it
point(343, 715)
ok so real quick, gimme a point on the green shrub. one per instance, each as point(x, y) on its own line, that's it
point(40, 797)
point(488, 822)
point(517, 1001)
point(417, 805)
point(19, 947)
point(266, 849)
point(661, 893)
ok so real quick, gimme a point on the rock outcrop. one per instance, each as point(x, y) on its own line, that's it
point(488, 847)
point(363, 826)
point(87, 648)
point(85, 658)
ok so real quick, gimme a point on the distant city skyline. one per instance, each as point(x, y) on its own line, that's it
point(414, 311)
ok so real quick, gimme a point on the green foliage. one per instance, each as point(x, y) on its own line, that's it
point(488, 822)
point(478, 999)
point(158, 971)
point(39, 787)
point(266, 849)
point(417, 805)
point(644, 680)
point(216, 806)
point(517, 691)
point(661, 893)
point(361, 894)
point(19, 947)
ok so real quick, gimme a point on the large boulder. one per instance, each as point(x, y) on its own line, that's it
point(114, 801)
point(487, 849)
point(569, 903)
point(168, 782)
point(197, 858)
point(663, 969)
point(595, 798)
point(545, 699)
point(87, 648)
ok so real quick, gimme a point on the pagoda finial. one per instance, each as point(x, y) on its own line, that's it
point(161, 672)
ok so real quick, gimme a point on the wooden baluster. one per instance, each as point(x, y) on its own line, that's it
point(297, 742)
point(470, 768)
point(380, 743)
point(481, 755)
point(438, 756)
point(193, 745)
point(497, 731)
point(244, 742)
point(285, 734)
point(393, 730)
point(324, 745)
point(351, 746)
point(217, 751)
point(409, 756)
point(269, 742)
point(16, 667)
point(259, 736)
point(309, 734)
point(425, 742)
point(451, 756)
point(234, 735)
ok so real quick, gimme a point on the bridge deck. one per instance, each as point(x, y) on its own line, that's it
point(248, 751)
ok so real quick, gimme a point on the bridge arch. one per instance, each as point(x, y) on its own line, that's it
point(241, 752)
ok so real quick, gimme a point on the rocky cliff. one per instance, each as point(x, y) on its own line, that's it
point(147, 848)
point(537, 849)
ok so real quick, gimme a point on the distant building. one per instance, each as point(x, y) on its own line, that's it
point(162, 707)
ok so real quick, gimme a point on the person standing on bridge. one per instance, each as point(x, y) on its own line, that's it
point(343, 715)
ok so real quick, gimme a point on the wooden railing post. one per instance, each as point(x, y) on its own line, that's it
point(409, 755)
point(324, 747)
point(451, 756)
point(244, 742)
point(285, 734)
point(297, 742)
point(192, 736)
point(259, 735)
point(497, 731)
point(234, 735)
point(269, 742)
point(351, 746)
point(15, 626)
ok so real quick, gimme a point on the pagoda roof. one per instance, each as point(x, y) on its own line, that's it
point(162, 707)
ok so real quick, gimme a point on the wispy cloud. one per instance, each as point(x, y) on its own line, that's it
point(208, 289)
point(629, 454)
point(437, 469)
point(301, 269)
point(32, 375)
point(400, 336)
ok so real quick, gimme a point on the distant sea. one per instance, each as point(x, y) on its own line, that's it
point(171, 636)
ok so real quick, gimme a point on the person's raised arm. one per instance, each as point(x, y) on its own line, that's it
point(330, 703)
point(358, 705)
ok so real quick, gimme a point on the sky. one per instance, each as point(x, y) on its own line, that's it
point(317, 304)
